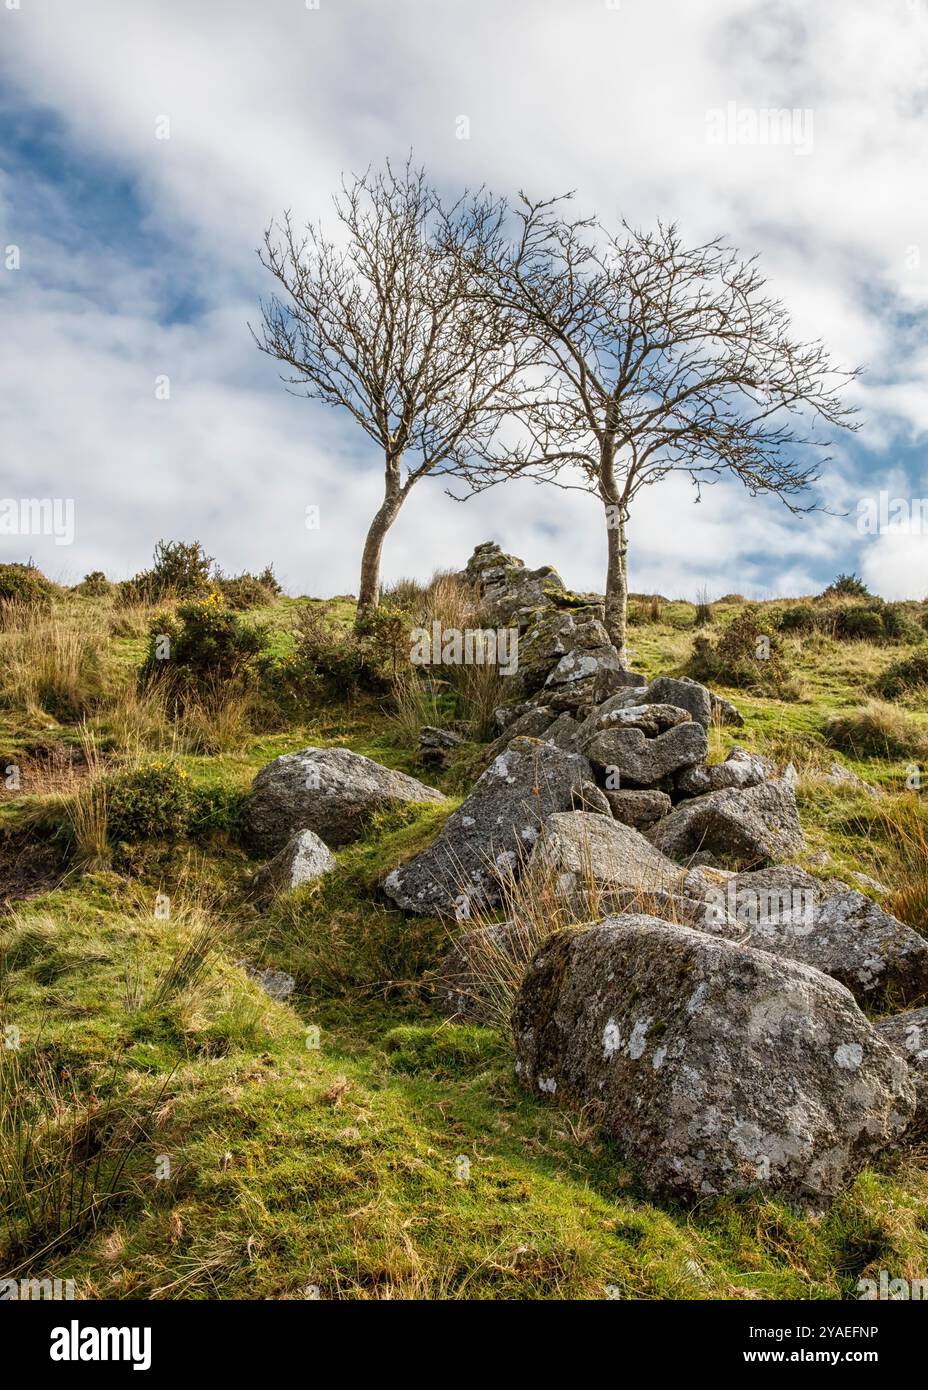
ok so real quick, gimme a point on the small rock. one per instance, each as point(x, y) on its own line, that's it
point(276, 983)
point(724, 712)
point(685, 694)
point(639, 809)
point(430, 737)
point(586, 796)
point(303, 859)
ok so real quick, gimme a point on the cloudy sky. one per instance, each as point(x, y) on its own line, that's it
point(126, 258)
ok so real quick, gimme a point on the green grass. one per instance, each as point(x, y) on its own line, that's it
point(398, 1158)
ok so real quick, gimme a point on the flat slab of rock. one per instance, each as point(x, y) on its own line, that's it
point(585, 849)
point(740, 769)
point(718, 1068)
point(883, 962)
point(328, 790)
point(908, 1034)
point(650, 719)
point(492, 833)
point(748, 828)
point(640, 761)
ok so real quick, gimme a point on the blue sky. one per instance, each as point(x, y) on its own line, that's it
point(136, 258)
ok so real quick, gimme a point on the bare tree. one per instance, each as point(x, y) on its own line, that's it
point(385, 324)
point(657, 358)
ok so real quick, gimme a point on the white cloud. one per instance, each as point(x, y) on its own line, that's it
point(268, 102)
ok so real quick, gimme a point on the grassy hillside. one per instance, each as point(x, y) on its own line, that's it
point(168, 1130)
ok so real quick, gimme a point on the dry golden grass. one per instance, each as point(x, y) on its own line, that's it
point(478, 688)
point(51, 664)
point(218, 722)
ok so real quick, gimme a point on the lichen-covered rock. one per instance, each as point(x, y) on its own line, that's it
point(740, 769)
point(303, 859)
point(601, 715)
point(586, 796)
point(639, 761)
point(684, 693)
point(639, 809)
point(595, 666)
point(907, 1033)
point(510, 591)
point(552, 635)
point(650, 719)
point(747, 828)
point(492, 833)
point(841, 932)
point(329, 790)
point(717, 1068)
point(587, 850)
point(532, 722)
point(563, 732)
point(526, 719)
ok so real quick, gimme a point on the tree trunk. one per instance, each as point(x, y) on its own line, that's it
point(369, 587)
point(617, 580)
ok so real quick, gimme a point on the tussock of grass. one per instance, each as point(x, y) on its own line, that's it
point(878, 730)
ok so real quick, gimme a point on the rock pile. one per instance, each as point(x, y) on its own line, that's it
point(714, 1017)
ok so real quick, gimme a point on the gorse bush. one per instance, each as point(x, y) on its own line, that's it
point(246, 590)
point(153, 802)
point(747, 655)
point(183, 570)
point(331, 657)
point(202, 652)
point(25, 585)
point(847, 586)
point(906, 677)
point(95, 585)
point(157, 801)
point(180, 569)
